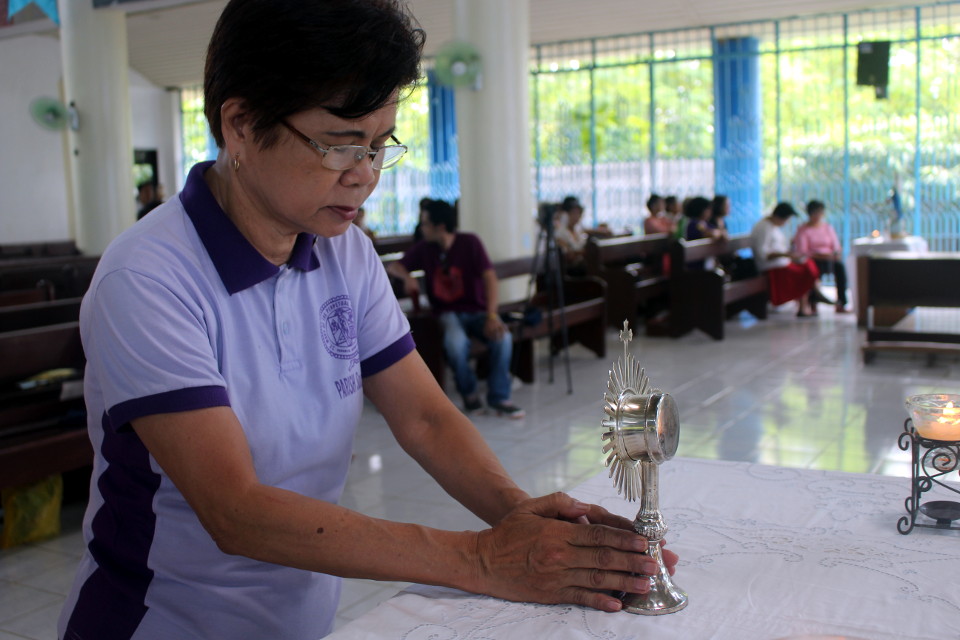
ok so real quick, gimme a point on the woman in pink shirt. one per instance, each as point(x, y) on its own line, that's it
point(818, 240)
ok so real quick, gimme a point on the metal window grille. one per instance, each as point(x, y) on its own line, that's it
point(615, 119)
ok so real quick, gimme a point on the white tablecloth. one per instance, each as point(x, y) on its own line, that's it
point(766, 553)
point(866, 246)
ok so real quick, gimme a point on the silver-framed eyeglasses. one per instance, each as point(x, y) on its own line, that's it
point(343, 157)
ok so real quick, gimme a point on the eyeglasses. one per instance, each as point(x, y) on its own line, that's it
point(343, 157)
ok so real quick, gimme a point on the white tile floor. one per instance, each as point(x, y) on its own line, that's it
point(783, 391)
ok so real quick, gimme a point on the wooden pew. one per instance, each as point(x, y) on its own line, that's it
point(41, 428)
point(69, 276)
point(897, 282)
point(41, 292)
point(39, 314)
point(704, 299)
point(38, 249)
point(584, 311)
point(392, 244)
point(634, 272)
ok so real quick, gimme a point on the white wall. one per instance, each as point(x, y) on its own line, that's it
point(33, 191)
point(34, 203)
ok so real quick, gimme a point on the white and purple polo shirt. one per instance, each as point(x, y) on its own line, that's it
point(182, 314)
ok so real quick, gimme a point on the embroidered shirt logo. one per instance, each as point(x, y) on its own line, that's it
point(338, 328)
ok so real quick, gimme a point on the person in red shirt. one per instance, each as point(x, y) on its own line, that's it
point(659, 220)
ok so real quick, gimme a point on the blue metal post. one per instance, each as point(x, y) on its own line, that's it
point(776, 37)
point(593, 132)
point(917, 159)
point(536, 128)
point(653, 119)
point(444, 177)
point(737, 100)
point(847, 199)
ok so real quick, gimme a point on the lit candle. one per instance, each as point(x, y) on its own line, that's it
point(945, 426)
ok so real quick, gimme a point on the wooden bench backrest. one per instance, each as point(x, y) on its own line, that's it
point(27, 262)
point(696, 250)
point(392, 244)
point(69, 275)
point(599, 253)
point(39, 314)
point(509, 268)
point(38, 249)
point(27, 352)
point(16, 297)
point(513, 267)
point(913, 279)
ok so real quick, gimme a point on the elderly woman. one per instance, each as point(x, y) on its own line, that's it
point(231, 336)
point(818, 239)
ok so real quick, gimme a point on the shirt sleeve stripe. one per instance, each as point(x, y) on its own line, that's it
point(168, 402)
point(380, 361)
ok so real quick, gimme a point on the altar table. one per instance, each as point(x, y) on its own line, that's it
point(871, 246)
point(765, 553)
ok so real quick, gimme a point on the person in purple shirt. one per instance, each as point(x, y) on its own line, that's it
point(463, 291)
point(231, 337)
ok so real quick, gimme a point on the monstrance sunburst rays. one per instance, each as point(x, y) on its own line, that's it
point(627, 378)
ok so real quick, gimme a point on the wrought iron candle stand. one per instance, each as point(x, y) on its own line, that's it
point(641, 431)
point(931, 460)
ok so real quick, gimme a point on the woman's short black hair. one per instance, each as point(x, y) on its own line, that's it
point(285, 56)
point(814, 206)
point(441, 213)
point(719, 200)
point(694, 207)
point(570, 203)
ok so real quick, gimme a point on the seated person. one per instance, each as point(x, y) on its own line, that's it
point(463, 291)
point(673, 209)
point(417, 230)
point(361, 221)
point(672, 206)
point(571, 236)
point(659, 221)
point(698, 211)
point(791, 275)
point(149, 196)
point(817, 238)
point(719, 210)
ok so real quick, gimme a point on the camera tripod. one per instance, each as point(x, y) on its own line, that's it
point(550, 266)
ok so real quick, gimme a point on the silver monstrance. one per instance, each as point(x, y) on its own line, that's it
point(641, 431)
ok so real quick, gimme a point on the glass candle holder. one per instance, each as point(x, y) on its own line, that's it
point(936, 416)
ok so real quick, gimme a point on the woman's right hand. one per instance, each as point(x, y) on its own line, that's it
point(538, 554)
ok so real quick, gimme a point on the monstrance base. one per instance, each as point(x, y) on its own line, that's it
point(663, 597)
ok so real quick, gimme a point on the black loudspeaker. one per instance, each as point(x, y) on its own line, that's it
point(873, 64)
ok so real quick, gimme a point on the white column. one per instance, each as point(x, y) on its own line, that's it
point(496, 198)
point(93, 44)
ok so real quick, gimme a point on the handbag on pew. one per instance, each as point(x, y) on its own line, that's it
point(531, 315)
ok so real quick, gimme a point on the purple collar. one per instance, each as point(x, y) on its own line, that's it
point(240, 265)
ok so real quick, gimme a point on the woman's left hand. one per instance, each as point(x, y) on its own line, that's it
point(494, 328)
